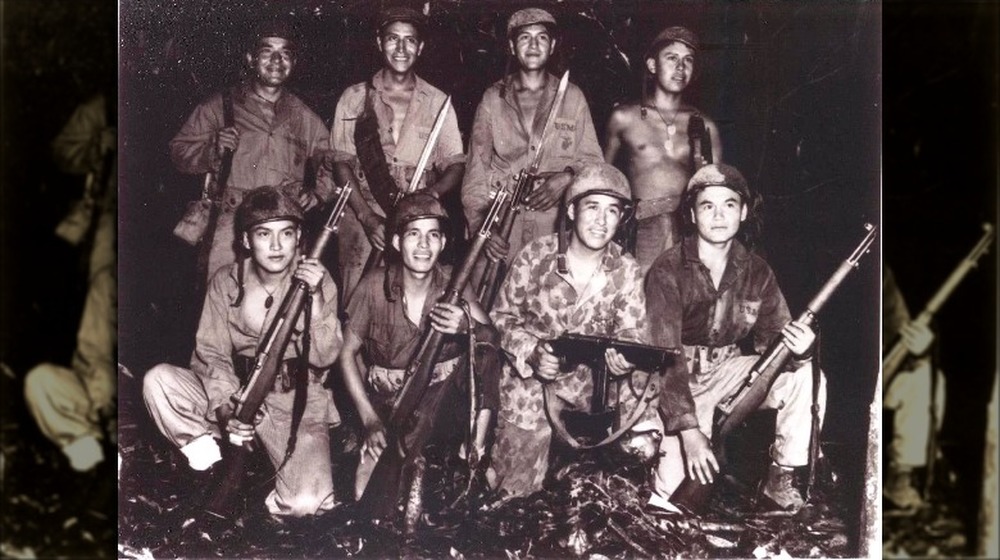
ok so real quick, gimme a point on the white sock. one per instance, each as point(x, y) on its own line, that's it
point(202, 452)
point(83, 453)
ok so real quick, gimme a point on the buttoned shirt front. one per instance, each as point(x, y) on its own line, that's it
point(402, 156)
point(685, 307)
point(389, 338)
point(225, 330)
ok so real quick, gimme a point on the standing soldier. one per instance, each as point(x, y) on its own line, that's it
point(379, 131)
point(657, 148)
point(271, 133)
point(506, 133)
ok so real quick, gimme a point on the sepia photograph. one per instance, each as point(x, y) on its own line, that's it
point(499, 279)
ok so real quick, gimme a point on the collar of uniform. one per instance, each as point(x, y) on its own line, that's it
point(737, 252)
point(613, 258)
point(509, 81)
point(378, 82)
point(394, 280)
point(245, 95)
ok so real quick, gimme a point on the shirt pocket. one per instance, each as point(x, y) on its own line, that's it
point(745, 313)
point(564, 137)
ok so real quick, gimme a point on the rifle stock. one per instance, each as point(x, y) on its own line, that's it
point(732, 412)
point(267, 364)
point(382, 490)
point(893, 360)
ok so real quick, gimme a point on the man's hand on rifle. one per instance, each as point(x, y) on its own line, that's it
point(310, 271)
point(374, 226)
point(375, 441)
point(700, 460)
point(916, 337)
point(496, 248)
point(544, 361)
point(239, 433)
point(449, 319)
point(617, 364)
point(550, 192)
point(227, 138)
point(799, 338)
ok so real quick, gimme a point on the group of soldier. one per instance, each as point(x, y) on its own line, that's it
point(692, 283)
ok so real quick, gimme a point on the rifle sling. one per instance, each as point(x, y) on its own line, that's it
point(559, 427)
point(205, 250)
point(371, 156)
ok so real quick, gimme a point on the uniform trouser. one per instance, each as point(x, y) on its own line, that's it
point(178, 405)
point(654, 235)
point(528, 226)
point(221, 251)
point(520, 457)
point(353, 249)
point(909, 395)
point(791, 395)
point(65, 402)
point(435, 404)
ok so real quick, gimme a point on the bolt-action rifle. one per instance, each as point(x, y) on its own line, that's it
point(894, 358)
point(495, 271)
point(383, 489)
point(692, 495)
point(267, 363)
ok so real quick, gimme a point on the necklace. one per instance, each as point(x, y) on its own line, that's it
point(668, 144)
point(270, 297)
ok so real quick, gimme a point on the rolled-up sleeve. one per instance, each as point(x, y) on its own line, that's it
point(77, 147)
point(345, 117)
point(664, 311)
point(475, 187)
point(448, 150)
point(192, 149)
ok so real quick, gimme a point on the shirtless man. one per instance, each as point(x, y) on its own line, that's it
point(653, 138)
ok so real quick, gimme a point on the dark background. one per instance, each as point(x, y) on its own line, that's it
point(796, 88)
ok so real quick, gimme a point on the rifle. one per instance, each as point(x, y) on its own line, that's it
point(730, 413)
point(382, 491)
point(375, 256)
point(267, 363)
point(701, 142)
point(495, 271)
point(573, 349)
point(894, 358)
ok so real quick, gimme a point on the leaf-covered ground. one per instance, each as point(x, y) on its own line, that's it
point(48, 510)
point(593, 506)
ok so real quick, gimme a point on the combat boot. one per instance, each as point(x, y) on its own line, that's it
point(780, 488)
point(899, 490)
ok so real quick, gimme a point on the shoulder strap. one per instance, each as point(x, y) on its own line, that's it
point(371, 156)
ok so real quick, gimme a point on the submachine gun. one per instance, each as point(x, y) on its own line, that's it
point(383, 489)
point(692, 495)
point(573, 349)
point(495, 271)
point(267, 363)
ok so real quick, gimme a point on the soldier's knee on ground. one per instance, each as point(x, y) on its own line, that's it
point(39, 381)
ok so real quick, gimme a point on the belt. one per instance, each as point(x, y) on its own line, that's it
point(283, 383)
point(390, 380)
point(705, 359)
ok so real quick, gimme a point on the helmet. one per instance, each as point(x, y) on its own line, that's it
point(415, 206)
point(718, 175)
point(671, 34)
point(529, 16)
point(599, 178)
point(267, 204)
